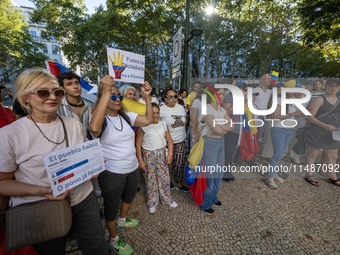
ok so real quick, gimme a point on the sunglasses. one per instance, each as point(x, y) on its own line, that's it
point(114, 98)
point(171, 97)
point(46, 93)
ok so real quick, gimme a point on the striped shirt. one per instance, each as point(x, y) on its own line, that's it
point(67, 111)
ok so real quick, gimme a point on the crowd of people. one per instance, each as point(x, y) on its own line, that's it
point(155, 145)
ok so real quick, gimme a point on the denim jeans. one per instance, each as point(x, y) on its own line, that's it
point(213, 155)
point(281, 138)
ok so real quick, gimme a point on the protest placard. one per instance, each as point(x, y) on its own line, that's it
point(69, 167)
point(126, 66)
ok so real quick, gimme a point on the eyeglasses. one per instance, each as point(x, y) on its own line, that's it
point(114, 98)
point(46, 93)
point(171, 97)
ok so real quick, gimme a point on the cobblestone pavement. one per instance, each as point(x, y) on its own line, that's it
point(297, 218)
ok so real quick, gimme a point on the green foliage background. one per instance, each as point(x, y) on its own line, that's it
point(244, 38)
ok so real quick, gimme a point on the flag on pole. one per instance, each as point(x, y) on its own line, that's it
point(55, 68)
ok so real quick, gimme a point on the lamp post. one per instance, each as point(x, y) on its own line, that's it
point(187, 39)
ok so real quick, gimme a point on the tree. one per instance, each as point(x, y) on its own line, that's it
point(320, 20)
point(17, 49)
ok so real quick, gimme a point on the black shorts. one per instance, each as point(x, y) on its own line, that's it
point(116, 188)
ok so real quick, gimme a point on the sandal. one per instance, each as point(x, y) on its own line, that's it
point(312, 180)
point(334, 182)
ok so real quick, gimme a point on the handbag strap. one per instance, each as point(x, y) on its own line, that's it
point(162, 138)
point(328, 112)
point(65, 131)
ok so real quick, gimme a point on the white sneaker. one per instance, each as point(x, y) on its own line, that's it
point(152, 209)
point(278, 179)
point(173, 204)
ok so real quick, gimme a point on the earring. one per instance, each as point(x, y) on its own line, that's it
point(28, 107)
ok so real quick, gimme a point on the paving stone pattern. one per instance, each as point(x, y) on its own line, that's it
point(297, 218)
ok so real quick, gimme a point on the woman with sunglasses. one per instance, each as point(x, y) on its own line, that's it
point(22, 172)
point(174, 115)
point(119, 181)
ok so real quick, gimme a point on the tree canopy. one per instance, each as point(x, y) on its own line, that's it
point(17, 49)
point(243, 38)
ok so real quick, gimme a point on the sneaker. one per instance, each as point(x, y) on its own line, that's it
point(184, 189)
point(278, 179)
point(209, 211)
point(172, 186)
point(121, 247)
point(152, 209)
point(218, 203)
point(173, 204)
point(129, 223)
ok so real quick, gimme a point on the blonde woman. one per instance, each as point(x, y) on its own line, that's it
point(22, 172)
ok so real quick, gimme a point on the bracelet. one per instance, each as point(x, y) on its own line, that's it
point(139, 159)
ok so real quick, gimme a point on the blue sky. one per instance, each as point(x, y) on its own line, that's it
point(90, 4)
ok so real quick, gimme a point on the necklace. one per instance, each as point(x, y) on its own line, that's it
point(121, 124)
point(45, 135)
point(81, 104)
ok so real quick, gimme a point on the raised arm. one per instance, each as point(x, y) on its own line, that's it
point(98, 114)
point(142, 121)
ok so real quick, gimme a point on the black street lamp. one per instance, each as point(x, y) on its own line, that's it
point(187, 39)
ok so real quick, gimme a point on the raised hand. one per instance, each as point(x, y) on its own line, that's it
point(145, 89)
point(107, 82)
point(117, 64)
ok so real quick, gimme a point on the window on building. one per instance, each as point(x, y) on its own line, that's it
point(45, 49)
point(54, 49)
point(44, 35)
point(33, 34)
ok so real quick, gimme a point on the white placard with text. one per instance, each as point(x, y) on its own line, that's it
point(69, 167)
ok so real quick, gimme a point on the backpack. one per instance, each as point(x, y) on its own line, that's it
point(124, 116)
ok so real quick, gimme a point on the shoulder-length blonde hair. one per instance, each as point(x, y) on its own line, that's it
point(30, 80)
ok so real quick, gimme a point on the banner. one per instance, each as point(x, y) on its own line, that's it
point(126, 66)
